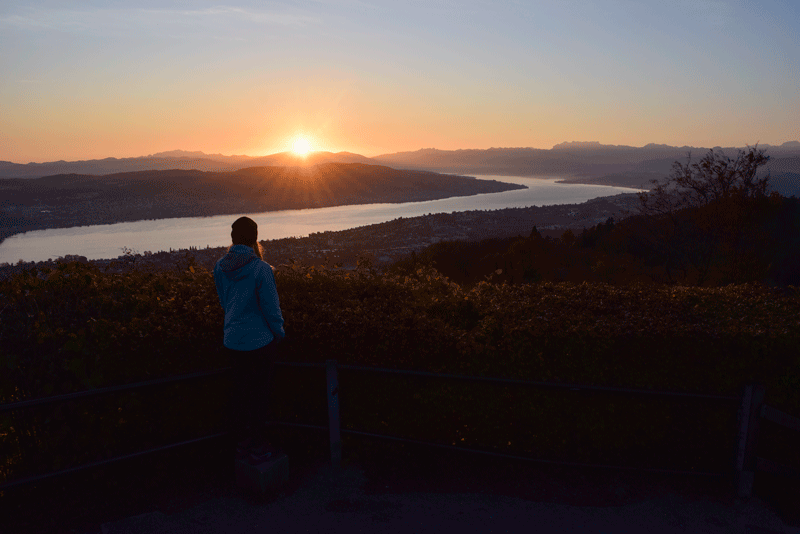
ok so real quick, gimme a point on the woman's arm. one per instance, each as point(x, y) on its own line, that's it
point(218, 282)
point(268, 300)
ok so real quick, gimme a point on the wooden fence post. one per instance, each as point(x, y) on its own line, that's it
point(749, 415)
point(333, 414)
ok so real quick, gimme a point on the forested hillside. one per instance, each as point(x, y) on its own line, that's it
point(69, 200)
point(710, 223)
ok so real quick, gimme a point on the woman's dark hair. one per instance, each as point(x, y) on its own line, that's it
point(244, 231)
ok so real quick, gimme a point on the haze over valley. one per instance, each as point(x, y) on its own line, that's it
point(576, 162)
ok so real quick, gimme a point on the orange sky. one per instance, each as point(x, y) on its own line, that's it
point(93, 81)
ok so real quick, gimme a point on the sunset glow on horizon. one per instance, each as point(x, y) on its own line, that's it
point(301, 146)
point(91, 80)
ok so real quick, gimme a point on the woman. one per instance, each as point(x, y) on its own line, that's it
point(253, 329)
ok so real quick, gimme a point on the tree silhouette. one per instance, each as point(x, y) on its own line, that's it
point(714, 178)
point(696, 220)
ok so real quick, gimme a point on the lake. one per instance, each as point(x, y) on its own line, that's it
point(106, 241)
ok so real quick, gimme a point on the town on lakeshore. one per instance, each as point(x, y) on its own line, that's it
point(385, 243)
point(190, 184)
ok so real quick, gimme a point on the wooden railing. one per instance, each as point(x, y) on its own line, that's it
point(747, 461)
point(751, 410)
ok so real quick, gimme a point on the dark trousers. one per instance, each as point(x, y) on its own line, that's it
point(251, 385)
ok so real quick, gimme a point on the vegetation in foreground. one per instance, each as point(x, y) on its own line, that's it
point(75, 327)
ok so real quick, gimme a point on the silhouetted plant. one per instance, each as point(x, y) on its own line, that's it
point(697, 220)
point(715, 177)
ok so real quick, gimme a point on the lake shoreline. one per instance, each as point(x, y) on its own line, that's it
point(52, 224)
point(69, 201)
point(547, 202)
point(383, 243)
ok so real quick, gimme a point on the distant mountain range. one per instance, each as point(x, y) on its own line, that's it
point(592, 162)
point(578, 162)
point(173, 160)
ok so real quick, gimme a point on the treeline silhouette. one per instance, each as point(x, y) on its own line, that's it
point(710, 224)
point(624, 252)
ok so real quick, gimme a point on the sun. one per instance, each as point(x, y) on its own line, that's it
point(301, 146)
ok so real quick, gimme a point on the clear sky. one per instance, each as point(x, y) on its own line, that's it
point(85, 80)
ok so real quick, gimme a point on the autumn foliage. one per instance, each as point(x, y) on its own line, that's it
point(76, 327)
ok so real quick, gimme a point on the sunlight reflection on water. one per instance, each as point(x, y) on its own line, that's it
point(107, 240)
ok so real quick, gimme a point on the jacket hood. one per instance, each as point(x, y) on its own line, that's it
point(234, 262)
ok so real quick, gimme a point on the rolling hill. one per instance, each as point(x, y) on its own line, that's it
point(68, 200)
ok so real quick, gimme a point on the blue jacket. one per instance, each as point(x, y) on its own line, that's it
point(247, 293)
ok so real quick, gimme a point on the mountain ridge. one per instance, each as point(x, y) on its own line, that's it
point(573, 160)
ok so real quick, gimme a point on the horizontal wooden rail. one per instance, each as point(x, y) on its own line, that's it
point(497, 454)
point(18, 405)
point(776, 416)
point(528, 458)
point(39, 478)
point(769, 466)
point(559, 385)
